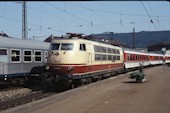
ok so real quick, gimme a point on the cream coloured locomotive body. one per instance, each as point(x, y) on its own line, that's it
point(79, 58)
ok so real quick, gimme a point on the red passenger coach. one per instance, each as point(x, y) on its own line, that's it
point(133, 58)
point(167, 58)
point(156, 58)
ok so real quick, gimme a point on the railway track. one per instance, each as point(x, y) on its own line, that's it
point(24, 99)
point(29, 92)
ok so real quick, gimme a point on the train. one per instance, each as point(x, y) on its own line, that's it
point(70, 60)
point(18, 57)
point(74, 60)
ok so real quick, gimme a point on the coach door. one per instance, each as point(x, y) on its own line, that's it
point(3, 60)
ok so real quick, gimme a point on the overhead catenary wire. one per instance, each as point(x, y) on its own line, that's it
point(75, 16)
point(149, 16)
point(124, 14)
point(157, 18)
point(90, 9)
point(45, 27)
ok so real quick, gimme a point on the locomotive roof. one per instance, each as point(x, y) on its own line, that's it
point(81, 39)
point(19, 43)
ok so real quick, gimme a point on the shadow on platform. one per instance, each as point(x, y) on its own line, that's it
point(130, 82)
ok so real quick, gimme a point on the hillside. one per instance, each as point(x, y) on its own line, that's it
point(143, 39)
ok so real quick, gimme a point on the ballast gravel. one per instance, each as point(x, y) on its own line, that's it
point(13, 93)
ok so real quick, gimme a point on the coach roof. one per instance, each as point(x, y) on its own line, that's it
point(19, 43)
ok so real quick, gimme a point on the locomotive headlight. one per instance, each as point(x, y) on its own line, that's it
point(47, 67)
point(70, 68)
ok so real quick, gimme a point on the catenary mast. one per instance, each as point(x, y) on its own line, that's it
point(24, 21)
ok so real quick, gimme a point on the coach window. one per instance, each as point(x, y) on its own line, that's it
point(27, 56)
point(131, 57)
point(137, 57)
point(3, 55)
point(15, 55)
point(128, 56)
point(38, 56)
point(82, 47)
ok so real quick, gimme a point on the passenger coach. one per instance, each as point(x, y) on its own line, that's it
point(133, 58)
point(18, 57)
point(156, 58)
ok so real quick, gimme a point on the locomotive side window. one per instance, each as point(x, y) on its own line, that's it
point(104, 57)
point(37, 56)
point(55, 46)
point(114, 58)
point(118, 58)
point(27, 56)
point(113, 51)
point(67, 46)
point(109, 50)
point(103, 49)
point(82, 47)
point(118, 52)
point(15, 55)
point(96, 48)
point(97, 57)
point(109, 57)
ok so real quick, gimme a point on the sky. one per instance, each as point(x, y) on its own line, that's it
point(57, 18)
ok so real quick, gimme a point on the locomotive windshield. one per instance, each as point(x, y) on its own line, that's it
point(55, 46)
point(64, 46)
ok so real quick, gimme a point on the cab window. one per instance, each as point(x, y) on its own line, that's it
point(82, 47)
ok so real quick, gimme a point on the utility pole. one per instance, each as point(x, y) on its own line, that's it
point(133, 38)
point(24, 21)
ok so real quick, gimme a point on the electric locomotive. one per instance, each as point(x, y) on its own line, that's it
point(75, 60)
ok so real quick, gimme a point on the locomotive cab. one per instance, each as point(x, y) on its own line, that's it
point(66, 52)
point(66, 56)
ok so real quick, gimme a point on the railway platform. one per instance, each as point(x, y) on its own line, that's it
point(113, 95)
